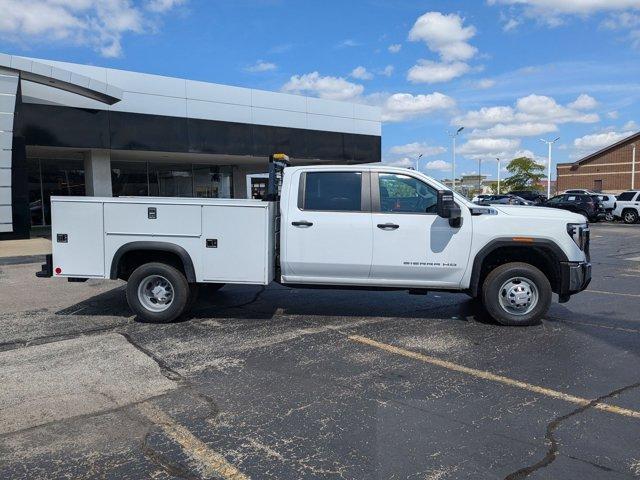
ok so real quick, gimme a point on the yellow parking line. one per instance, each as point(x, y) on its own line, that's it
point(211, 464)
point(493, 377)
point(614, 293)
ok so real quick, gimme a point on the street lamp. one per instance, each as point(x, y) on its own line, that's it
point(549, 143)
point(418, 162)
point(633, 167)
point(453, 163)
point(479, 175)
point(499, 168)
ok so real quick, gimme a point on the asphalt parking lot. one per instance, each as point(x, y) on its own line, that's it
point(291, 384)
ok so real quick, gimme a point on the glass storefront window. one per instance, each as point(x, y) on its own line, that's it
point(129, 179)
point(49, 177)
point(212, 182)
point(170, 180)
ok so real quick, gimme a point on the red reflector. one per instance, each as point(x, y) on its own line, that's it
point(58, 270)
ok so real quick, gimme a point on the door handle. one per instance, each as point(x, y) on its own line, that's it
point(388, 226)
point(302, 223)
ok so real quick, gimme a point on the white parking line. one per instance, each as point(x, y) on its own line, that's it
point(210, 463)
point(495, 378)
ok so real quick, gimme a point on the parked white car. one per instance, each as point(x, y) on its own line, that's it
point(360, 226)
point(479, 198)
point(608, 202)
point(628, 206)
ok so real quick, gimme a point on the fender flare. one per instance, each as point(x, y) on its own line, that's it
point(508, 242)
point(187, 263)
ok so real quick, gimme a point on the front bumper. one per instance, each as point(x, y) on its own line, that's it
point(574, 278)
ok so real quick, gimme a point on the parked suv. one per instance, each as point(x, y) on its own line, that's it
point(628, 206)
point(585, 205)
point(530, 195)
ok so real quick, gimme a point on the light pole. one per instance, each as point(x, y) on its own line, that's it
point(549, 143)
point(633, 167)
point(499, 168)
point(418, 162)
point(453, 163)
point(479, 175)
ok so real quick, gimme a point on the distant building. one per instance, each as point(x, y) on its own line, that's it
point(607, 170)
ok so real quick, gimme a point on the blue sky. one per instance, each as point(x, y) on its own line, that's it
point(509, 71)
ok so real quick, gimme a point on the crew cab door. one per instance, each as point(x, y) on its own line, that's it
point(327, 227)
point(412, 245)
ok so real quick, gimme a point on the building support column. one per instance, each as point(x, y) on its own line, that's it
point(97, 173)
point(9, 82)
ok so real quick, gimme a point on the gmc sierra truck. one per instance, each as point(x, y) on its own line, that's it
point(366, 226)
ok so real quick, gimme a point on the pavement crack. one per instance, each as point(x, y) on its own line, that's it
point(553, 450)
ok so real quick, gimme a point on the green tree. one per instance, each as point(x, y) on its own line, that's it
point(493, 187)
point(525, 174)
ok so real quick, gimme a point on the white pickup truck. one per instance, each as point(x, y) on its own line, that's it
point(365, 226)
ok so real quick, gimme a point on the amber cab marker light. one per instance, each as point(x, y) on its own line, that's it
point(523, 239)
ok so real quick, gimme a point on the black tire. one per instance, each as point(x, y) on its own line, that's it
point(630, 216)
point(502, 274)
point(181, 293)
point(609, 216)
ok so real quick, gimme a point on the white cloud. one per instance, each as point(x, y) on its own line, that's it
point(571, 7)
point(163, 5)
point(334, 88)
point(532, 115)
point(395, 48)
point(427, 71)
point(361, 73)
point(100, 24)
point(485, 146)
point(416, 148)
point(403, 106)
point(348, 43)
point(526, 129)
point(485, 83)
point(444, 35)
point(613, 114)
point(387, 71)
point(584, 102)
point(554, 12)
point(261, 66)
point(439, 165)
point(594, 142)
point(404, 162)
point(511, 24)
point(630, 125)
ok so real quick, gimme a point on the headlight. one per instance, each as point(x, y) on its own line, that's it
point(580, 233)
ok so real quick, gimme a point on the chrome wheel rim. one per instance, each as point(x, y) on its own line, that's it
point(155, 293)
point(518, 296)
point(608, 217)
point(629, 217)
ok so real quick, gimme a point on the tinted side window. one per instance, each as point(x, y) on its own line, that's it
point(405, 194)
point(626, 196)
point(333, 191)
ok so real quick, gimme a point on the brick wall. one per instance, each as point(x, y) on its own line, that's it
point(612, 167)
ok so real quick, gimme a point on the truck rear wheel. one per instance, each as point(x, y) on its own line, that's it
point(158, 293)
point(516, 294)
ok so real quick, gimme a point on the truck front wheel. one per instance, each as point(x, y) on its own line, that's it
point(516, 294)
point(158, 293)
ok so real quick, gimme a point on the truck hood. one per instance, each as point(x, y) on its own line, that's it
point(539, 212)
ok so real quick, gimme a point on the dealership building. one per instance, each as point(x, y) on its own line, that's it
point(69, 129)
point(608, 170)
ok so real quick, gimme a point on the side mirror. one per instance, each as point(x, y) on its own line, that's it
point(448, 208)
